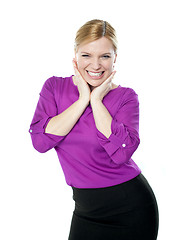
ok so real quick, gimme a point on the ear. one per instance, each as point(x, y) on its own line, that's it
point(75, 55)
point(115, 57)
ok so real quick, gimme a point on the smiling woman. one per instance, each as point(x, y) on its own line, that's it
point(95, 61)
point(96, 51)
point(94, 127)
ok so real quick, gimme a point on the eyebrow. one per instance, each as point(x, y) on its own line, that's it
point(101, 54)
point(106, 54)
point(85, 52)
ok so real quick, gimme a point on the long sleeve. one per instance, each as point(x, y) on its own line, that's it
point(45, 110)
point(124, 138)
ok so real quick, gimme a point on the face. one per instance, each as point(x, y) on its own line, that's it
point(95, 61)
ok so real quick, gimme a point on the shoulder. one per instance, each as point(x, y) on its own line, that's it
point(128, 95)
point(127, 91)
point(54, 83)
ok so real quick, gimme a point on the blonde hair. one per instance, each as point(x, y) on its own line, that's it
point(94, 30)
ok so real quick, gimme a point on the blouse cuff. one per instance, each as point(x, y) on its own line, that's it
point(39, 126)
point(115, 140)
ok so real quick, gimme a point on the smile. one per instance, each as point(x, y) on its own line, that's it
point(95, 74)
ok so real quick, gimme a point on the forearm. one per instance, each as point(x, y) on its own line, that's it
point(62, 124)
point(102, 117)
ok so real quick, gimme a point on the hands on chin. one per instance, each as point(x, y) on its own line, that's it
point(97, 93)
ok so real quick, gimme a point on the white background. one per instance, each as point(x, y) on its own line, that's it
point(37, 39)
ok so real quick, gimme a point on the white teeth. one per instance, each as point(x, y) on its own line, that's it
point(95, 74)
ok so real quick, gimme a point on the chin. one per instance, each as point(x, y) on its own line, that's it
point(95, 83)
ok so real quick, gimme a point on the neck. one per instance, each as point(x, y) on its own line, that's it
point(113, 86)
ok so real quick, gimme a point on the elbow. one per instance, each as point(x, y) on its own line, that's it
point(40, 149)
point(39, 144)
point(136, 143)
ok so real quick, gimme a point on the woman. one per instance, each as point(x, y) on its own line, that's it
point(93, 125)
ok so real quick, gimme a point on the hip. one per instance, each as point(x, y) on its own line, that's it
point(109, 201)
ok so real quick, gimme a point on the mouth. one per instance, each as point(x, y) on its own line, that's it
point(95, 75)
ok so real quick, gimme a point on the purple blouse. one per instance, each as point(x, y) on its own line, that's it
point(87, 157)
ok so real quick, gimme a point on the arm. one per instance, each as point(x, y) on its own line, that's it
point(118, 135)
point(102, 117)
point(62, 124)
point(124, 139)
point(46, 121)
point(45, 110)
point(48, 128)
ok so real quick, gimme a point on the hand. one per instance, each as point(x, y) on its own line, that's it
point(99, 92)
point(83, 87)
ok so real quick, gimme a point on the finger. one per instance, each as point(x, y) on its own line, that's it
point(109, 79)
point(75, 67)
point(112, 75)
point(77, 72)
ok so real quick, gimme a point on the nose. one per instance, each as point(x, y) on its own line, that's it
point(95, 64)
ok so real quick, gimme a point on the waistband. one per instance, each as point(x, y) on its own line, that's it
point(123, 197)
point(110, 187)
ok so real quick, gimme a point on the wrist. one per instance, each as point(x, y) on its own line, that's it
point(95, 102)
point(94, 99)
point(83, 101)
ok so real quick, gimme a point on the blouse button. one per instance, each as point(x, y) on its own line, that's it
point(123, 144)
point(30, 130)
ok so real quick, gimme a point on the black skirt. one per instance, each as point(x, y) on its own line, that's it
point(127, 211)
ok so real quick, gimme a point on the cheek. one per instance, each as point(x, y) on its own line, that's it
point(109, 66)
point(82, 64)
point(81, 67)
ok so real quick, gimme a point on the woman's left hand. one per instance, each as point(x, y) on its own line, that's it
point(99, 92)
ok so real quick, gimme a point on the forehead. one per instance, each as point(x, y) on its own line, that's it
point(102, 45)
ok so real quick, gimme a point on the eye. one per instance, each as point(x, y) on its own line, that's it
point(85, 55)
point(106, 56)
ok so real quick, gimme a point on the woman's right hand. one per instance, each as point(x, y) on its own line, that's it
point(83, 87)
